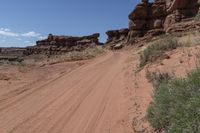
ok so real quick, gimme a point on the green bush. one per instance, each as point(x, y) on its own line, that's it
point(157, 78)
point(156, 50)
point(176, 105)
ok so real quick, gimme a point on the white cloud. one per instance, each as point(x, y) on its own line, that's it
point(17, 38)
point(42, 37)
point(7, 32)
point(5, 29)
point(31, 34)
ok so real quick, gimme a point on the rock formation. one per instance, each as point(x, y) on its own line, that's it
point(179, 11)
point(117, 35)
point(147, 17)
point(61, 44)
point(11, 54)
point(161, 16)
point(116, 38)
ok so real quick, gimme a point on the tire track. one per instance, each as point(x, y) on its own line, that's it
point(54, 100)
point(50, 82)
point(79, 101)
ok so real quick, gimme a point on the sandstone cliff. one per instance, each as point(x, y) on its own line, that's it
point(162, 16)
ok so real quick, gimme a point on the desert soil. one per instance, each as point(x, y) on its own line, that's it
point(99, 96)
point(103, 95)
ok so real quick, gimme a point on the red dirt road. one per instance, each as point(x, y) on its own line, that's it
point(94, 98)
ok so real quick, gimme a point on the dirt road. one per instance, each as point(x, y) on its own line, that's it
point(95, 98)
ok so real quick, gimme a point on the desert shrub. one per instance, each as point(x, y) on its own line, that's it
point(85, 54)
point(88, 53)
point(176, 104)
point(192, 38)
point(156, 50)
point(157, 78)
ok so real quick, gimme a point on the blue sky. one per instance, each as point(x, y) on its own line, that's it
point(22, 22)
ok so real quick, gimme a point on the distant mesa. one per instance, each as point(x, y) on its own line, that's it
point(12, 54)
point(55, 44)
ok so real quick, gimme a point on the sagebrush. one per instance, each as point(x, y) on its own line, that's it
point(176, 104)
point(156, 50)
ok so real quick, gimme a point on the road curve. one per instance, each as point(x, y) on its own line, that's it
point(90, 99)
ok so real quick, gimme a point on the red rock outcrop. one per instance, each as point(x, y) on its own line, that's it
point(116, 38)
point(61, 44)
point(117, 35)
point(161, 16)
point(147, 17)
point(179, 11)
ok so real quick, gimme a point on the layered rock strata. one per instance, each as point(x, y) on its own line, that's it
point(62, 44)
point(162, 16)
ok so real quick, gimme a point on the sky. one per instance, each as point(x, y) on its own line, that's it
point(23, 22)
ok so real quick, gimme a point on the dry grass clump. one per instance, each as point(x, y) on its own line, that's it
point(157, 49)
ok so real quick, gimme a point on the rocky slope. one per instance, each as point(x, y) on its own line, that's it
point(152, 19)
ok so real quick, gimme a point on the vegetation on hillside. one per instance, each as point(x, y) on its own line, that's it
point(176, 103)
point(88, 53)
point(156, 50)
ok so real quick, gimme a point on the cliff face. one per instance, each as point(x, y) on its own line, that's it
point(147, 17)
point(178, 11)
point(61, 44)
point(161, 16)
